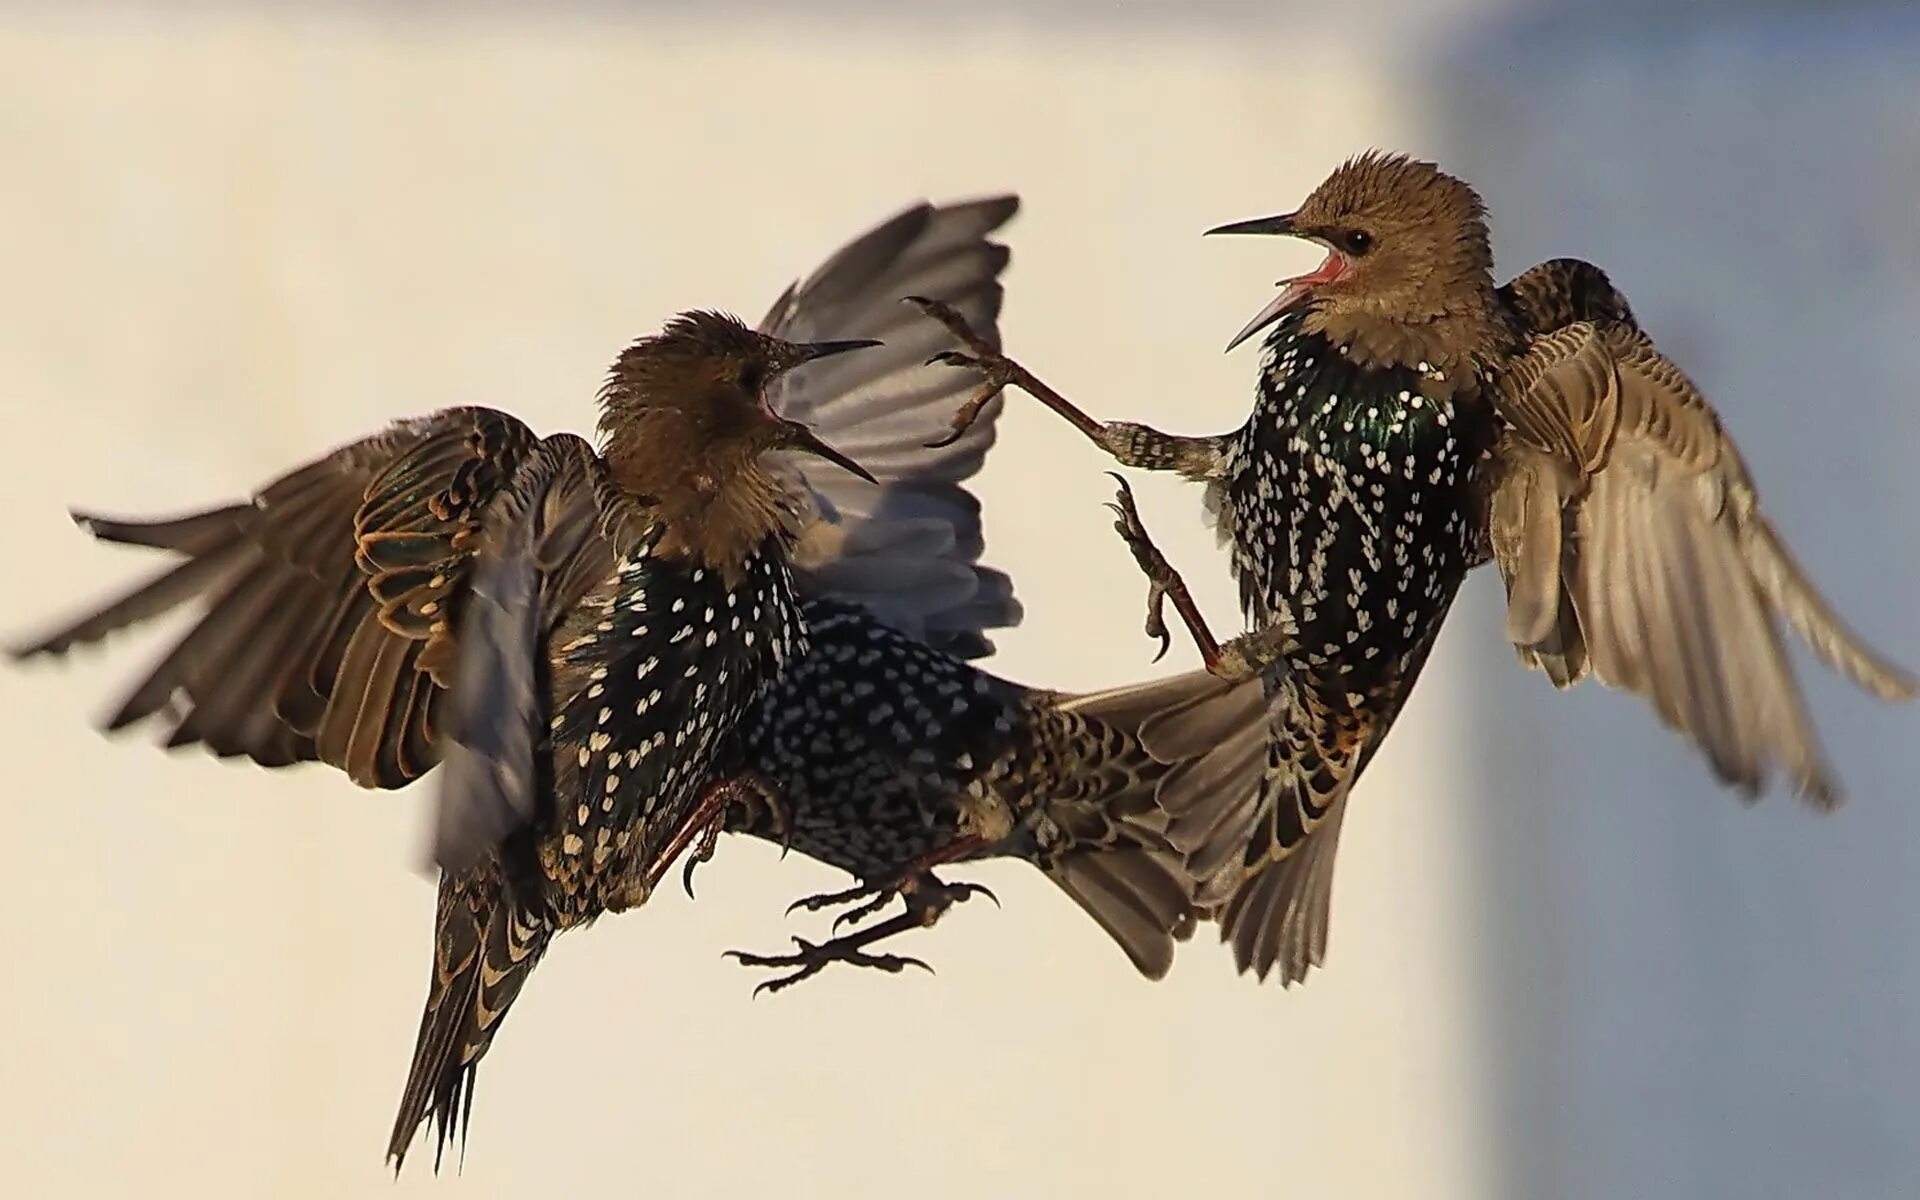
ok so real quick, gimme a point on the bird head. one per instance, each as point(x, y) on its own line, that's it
point(697, 391)
point(685, 424)
point(1406, 246)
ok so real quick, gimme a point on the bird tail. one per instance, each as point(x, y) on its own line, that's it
point(1255, 799)
point(1120, 866)
point(1260, 852)
point(485, 946)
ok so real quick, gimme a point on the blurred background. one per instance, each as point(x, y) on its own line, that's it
point(1563, 962)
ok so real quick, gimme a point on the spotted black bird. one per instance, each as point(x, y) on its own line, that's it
point(882, 750)
point(1412, 421)
point(354, 606)
point(602, 620)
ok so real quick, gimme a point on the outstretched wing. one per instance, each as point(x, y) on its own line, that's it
point(907, 549)
point(331, 601)
point(1631, 541)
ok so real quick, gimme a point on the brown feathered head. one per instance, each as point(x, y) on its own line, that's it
point(1408, 265)
point(685, 425)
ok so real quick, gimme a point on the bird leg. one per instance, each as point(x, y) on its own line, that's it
point(927, 899)
point(1130, 445)
point(750, 792)
point(1241, 658)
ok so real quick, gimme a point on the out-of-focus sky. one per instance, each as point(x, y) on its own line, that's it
point(1563, 963)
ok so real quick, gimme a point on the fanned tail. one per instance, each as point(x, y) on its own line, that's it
point(1121, 868)
point(1255, 802)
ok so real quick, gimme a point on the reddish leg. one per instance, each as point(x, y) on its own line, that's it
point(703, 825)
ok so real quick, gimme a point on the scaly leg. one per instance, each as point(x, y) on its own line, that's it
point(1130, 444)
point(1241, 658)
point(927, 900)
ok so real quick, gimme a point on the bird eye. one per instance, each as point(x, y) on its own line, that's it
point(750, 380)
point(1356, 241)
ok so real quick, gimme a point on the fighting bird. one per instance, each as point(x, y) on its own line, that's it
point(577, 631)
point(1411, 421)
point(577, 634)
point(883, 751)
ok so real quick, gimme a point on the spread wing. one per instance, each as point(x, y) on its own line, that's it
point(332, 601)
point(1631, 541)
point(907, 549)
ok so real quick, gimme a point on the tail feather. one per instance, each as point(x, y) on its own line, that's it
point(1137, 895)
point(485, 946)
point(1262, 855)
point(1121, 867)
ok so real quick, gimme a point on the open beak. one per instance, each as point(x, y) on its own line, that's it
point(1291, 289)
point(810, 351)
point(799, 437)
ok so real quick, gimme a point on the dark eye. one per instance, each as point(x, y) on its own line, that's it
point(1356, 241)
point(750, 380)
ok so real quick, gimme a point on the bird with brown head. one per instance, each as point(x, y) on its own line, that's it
point(685, 421)
point(574, 633)
point(1411, 421)
point(580, 624)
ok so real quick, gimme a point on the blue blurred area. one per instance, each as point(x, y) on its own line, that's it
point(1684, 998)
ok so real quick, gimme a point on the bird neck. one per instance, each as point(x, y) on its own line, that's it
point(717, 505)
point(1451, 348)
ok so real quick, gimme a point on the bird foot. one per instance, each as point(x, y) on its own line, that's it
point(1153, 564)
point(926, 899)
point(997, 371)
point(744, 800)
point(809, 959)
point(1236, 660)
point(734, 801)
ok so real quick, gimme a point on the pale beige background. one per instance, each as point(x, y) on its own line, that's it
point(1562, 964)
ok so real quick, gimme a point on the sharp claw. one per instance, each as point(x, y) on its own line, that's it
point(686, 876)
point(942, 443)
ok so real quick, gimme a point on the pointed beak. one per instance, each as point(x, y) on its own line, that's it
point(799, 437)
point(811, 351)
point(1292, 289)
point(1262, 319)
point(1281, 225)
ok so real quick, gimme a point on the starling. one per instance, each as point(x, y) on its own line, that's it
point(348, 597)
point(588, 626)
point(1413, 421)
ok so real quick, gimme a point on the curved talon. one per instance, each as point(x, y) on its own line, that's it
point(879, 901)
point(945, 440)
point(980, 355)
point(1147, 556)
point(954, 893)
point(810, 959)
